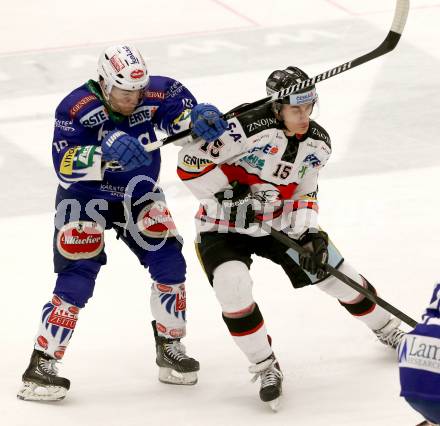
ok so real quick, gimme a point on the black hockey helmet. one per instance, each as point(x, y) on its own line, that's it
point(282, 79)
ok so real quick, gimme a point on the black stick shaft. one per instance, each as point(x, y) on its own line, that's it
point(286, 240)
point(390, 42)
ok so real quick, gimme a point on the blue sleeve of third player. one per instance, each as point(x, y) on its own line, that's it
point(419, 355)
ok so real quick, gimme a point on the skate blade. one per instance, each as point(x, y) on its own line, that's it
point(173, 377)
point(274, 404)
point(35, 392)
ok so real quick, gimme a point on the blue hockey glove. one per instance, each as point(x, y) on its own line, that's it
point(125, 149)
point(207, 122)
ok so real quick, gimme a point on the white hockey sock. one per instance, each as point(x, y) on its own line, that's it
point(250, 335)
point(372, 315)
point(168, 307)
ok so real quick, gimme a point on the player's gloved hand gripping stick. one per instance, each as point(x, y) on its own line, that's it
point(285, 239)
point(125, 149)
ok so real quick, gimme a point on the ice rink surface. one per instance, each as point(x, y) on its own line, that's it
point(379, 202)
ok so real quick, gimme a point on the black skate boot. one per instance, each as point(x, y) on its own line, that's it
point(390, 334)
point(175, 367)
point(271, 380)
point(41, 381)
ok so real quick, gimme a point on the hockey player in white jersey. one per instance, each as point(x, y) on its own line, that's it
point(265, 168)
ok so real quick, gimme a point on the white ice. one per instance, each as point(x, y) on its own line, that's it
point(379, 202)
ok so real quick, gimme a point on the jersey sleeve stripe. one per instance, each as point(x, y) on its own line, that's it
point(185, 175)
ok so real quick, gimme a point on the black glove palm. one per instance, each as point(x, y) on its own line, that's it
point(316, 243)
point(237, 204)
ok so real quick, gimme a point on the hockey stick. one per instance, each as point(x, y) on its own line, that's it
point(287, 241)
point(390, 42)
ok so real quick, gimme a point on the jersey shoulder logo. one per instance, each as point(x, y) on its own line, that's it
point(319, 133)
point(257, 121)
point(259, 125)
point(85, 100)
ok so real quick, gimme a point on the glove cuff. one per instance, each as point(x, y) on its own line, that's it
point(313, 234)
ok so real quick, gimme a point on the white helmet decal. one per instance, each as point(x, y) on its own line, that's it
point(304, 97)
point(122, 66)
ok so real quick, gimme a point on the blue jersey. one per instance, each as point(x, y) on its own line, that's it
point(419, 355)
point(82, 121)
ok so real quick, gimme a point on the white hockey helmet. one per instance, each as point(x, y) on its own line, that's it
point(122, 66)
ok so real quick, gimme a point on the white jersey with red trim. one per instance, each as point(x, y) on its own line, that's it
point(281, 171)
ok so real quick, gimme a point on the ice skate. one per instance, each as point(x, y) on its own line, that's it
point(175, 367)
point(41, 381)
point(390, 334)
point(271, 381)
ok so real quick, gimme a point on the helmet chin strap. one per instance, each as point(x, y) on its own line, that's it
point(105, 89)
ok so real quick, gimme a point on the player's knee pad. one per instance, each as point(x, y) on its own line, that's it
point(168, 307)
point(77, 282)
point(80, 239)
point(57, 324)
point(155, 221)
point(336, 288)
point(233, 286)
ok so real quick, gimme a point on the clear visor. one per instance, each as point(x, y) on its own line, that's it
point(308, 101)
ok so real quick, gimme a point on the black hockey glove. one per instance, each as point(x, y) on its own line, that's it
point(316, 243)
point(237, 204)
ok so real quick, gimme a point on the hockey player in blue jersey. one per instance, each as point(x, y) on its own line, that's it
point(419, 363)
point(108, 181)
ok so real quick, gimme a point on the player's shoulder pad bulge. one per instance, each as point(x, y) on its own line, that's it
point(161, 87)
point(258, 120)
point(79, 103)
point(319, 133)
